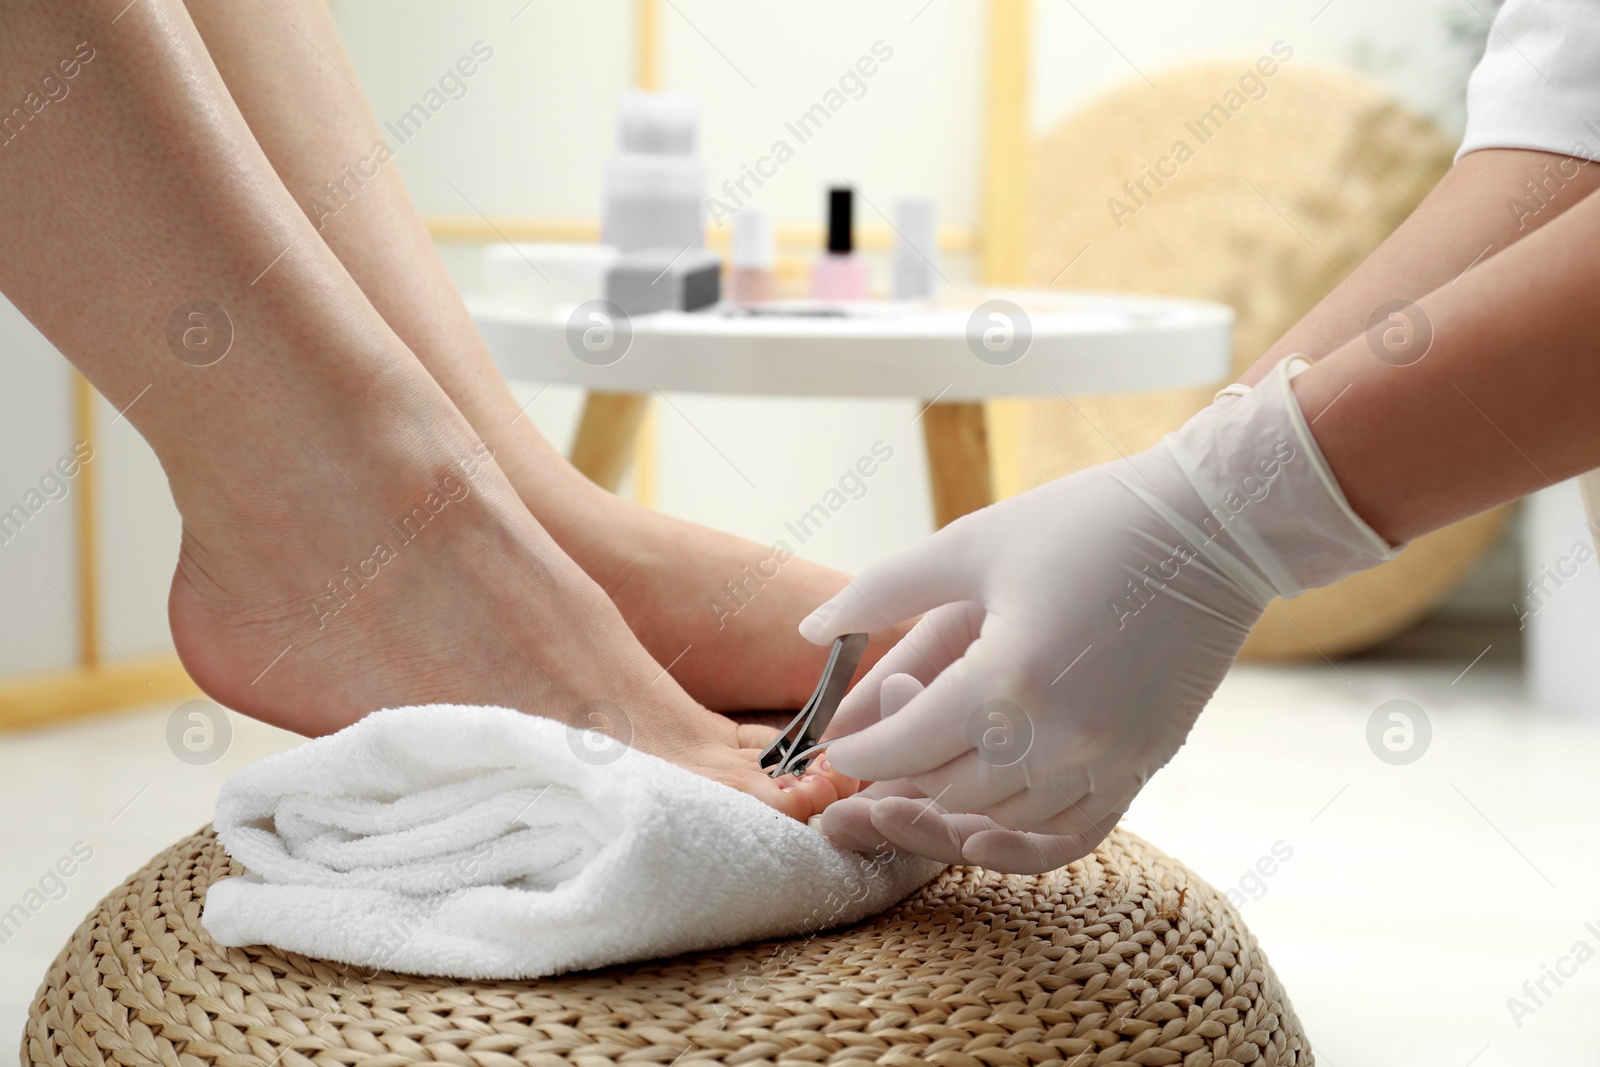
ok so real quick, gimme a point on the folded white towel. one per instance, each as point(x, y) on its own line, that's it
point(479, 842)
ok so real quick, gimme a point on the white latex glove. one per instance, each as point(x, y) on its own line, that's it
point(898, 815)
point(1075, 632)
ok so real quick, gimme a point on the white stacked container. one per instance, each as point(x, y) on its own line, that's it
point(654, 194)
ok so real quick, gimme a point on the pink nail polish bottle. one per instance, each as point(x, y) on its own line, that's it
point(750, 281)
point(840, 274)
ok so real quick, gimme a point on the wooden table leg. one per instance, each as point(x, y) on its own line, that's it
point(957, 440)
point(603, 446)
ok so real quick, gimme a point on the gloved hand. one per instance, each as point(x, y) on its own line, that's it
point(1075, 632)
point(898, 815)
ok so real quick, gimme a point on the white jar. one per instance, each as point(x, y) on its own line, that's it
point(654, 193)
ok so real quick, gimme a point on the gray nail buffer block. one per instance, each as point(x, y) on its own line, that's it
point(664, 279)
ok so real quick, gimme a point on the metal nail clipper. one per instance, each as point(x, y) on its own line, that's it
point(792, 751)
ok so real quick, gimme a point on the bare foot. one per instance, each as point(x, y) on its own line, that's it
point(721, 610)
point(391, 564)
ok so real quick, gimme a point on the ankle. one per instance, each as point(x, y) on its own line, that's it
point(595, 528)
point(374, 443)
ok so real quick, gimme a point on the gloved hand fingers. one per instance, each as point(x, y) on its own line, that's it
point(901, 788)
point(1000, 765)
point(1084, 815)
point(918, 578)
point(938, 639)
point(974, 782)
point(1015, 852)
point(928, 732)
point(1077, 816)
point(923, 828)
point(848, 823)
point(1044, 795)
point(897, 691)
point(890, 813)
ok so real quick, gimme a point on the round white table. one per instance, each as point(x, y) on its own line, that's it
point(969, 346)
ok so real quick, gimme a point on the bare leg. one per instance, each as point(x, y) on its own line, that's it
point(345, 544)
point(290, 76)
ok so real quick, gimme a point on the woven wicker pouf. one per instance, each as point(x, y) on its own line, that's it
point(1125, 957)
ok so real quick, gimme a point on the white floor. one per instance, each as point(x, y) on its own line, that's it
point(1416, 899)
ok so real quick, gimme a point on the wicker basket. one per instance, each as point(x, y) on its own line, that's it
point(1125, 957)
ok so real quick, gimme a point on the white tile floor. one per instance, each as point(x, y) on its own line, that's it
point(1416, 901)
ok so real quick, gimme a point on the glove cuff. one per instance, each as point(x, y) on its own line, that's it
point(1253, 461)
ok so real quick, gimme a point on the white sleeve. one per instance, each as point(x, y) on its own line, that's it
point(1538, 84)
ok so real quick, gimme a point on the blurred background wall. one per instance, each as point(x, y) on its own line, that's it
point(530, 137)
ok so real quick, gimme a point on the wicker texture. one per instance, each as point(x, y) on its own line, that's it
point(1123, 958)
point(1268, 216)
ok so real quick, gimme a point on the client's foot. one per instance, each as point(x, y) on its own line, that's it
point(723, 611)
point(374, 556)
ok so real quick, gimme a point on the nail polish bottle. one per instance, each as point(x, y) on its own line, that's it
point(914, 263)
point(750, 277)
point(840, 274)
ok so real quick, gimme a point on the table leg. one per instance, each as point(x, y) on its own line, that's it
point(603, 446)
point(958, 460)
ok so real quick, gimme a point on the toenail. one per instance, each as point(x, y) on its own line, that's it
point(787, 788)
point(809, 778)
point(824, 765)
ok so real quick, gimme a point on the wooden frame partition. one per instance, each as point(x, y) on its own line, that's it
point(94, 683)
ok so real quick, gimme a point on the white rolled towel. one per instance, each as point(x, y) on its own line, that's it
point(479, 842)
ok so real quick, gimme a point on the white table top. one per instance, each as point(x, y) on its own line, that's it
point(1069, 342)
